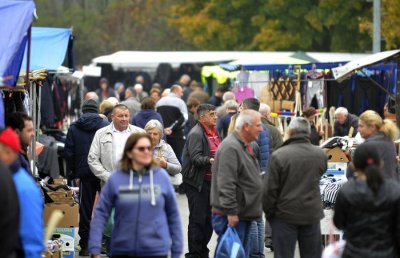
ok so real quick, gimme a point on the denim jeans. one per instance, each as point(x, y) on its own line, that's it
point(257, 232)
point(220, 224)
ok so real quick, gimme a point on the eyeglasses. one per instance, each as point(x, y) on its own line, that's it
point(143, 148)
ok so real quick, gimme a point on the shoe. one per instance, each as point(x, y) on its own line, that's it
point(270, 247)
point(84, 252)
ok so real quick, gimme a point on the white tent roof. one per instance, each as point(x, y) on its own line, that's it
point(149, 60)
point(342, 72)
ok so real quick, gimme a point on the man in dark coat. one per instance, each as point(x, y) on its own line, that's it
point(9, 215)
point(345, 121)
point(292, 201)
point(77, 146)
point(104, 91)
point(198, 156)
point(22, 124)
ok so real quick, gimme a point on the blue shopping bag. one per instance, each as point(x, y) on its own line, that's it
point(230, 245)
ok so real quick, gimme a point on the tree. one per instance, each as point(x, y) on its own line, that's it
point(106, 26)
point(308, 25)
point(390, 24)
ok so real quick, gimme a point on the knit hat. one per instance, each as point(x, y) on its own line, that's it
point(90, 106)
point(10, 138)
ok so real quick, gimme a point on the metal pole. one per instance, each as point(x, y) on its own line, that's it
point(398, 94)
point(377, 27)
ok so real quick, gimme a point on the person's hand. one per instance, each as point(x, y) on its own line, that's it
point(95, 256)
point(321, 133)
point(211, 160)
point(162, 162)
point(233, 220)
point(168, 131)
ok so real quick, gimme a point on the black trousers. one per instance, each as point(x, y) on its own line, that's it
point(87, 192)
point(285, 236)
point(177, 144)
point(200, 227)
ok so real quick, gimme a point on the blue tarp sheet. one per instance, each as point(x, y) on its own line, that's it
point(48, 47)
point(17, 17)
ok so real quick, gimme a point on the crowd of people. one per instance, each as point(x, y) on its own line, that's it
point(137, 149)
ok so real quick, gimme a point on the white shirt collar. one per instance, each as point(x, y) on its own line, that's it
point(114, 130)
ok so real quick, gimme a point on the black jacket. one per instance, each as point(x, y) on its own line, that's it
point(79, 139)
point(9, 215)
point(343, 129)
point(371, 224)
point(196, 157)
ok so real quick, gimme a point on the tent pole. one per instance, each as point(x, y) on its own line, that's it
point(398, 94)
point(34, 109)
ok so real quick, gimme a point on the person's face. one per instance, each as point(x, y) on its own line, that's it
point(121, 88)
point(103, 85)
point(193, 109)
point(120, 119)
point(27, 133)
point(7, 156)
point(155, 136)
point(179, 92)
point(311, 119)
point(254, 129)
point(209, 118)
point(155, 96)
point(366, 130)
point(142, 152)
point(341, 118)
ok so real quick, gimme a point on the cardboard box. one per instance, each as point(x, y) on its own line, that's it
point(67, 235)
point(71, 214)
point(62, 197)
point(60, 181)
point(55, 254)
point(337, 155)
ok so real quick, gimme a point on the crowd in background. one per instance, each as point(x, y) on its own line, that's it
point(136, 149)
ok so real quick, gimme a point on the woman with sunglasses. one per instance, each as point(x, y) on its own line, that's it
point(163, 153)
point(147, 222)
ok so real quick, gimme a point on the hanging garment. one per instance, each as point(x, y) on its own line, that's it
point(26, 104)
point(257, 81)
point(242, 93)
point(315, 88)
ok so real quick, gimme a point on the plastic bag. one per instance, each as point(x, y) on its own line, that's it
point(334, 250)
point(110, 224)
point(230, 245)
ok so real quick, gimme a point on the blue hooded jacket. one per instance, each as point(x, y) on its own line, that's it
point(31, 212)
point(146, 221)
point(145, 115)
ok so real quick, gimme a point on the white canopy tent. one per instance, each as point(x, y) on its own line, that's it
point(149, 60)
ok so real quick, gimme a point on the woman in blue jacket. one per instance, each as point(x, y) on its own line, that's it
point(147, 221)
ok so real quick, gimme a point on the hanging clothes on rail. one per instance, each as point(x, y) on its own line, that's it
point(257, 81)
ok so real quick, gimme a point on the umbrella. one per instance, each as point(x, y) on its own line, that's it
point(303, 56)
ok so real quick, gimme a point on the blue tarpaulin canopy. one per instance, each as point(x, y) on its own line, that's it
point(17, 17)
point(48, 47)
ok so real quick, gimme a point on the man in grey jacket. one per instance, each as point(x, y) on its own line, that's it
point(291, 198)
point(109, 142)
point(236, 186)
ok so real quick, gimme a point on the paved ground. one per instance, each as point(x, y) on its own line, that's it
point(184, 211)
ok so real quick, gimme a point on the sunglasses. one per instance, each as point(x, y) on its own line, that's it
point(143, 148)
